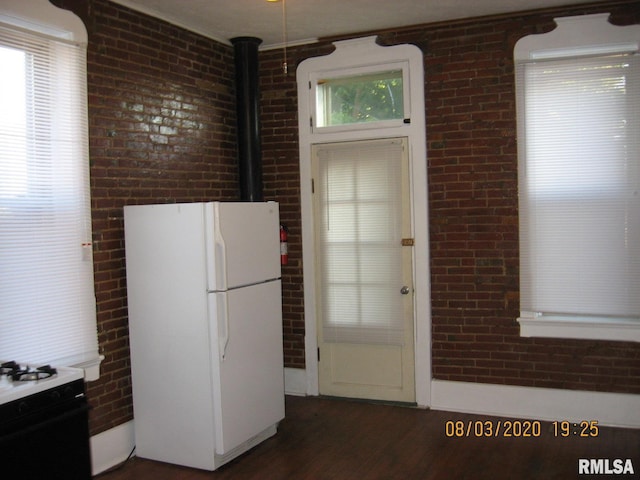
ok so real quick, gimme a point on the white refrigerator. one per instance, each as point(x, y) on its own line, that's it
point(205, 329)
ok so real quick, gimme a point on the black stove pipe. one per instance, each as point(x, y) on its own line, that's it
point(248, 112)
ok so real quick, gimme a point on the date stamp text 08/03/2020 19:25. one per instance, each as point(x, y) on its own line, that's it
point(533, 428)
point(519, 428)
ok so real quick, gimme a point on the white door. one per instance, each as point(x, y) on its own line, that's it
point(364, 269)
point(243, 244)
point(248, 383)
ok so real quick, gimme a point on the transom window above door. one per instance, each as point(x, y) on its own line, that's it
point(360, 98)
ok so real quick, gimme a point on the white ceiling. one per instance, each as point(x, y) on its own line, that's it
point(308, 20)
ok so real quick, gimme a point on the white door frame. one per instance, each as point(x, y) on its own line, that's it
point(364, 52)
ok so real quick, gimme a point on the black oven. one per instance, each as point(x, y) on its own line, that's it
point(45, 436)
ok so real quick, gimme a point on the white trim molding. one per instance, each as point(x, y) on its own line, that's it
point(556, 326)
point(512, 401)
point(45, 18)
point(580, 35)
point(348, 55)
point(613, 315)
point(295, 382)
point(112, 447)
point(547, 404)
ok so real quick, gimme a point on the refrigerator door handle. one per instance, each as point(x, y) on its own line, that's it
point(223, 321)
point(220, 251)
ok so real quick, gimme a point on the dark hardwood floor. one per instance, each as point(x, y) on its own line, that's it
point(324, 438)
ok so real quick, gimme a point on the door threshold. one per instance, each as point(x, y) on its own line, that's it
point(390, 403)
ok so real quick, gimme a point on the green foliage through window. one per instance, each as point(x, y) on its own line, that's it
point(360, 99)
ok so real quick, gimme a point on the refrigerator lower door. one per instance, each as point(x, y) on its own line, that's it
point(247, 359)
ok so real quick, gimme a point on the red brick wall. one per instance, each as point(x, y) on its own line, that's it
point(162, 129)
point(162, 126)
point(472, 163)
point(472, 169)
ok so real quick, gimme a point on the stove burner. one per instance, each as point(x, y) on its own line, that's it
point(18, 373)
point(8, 367)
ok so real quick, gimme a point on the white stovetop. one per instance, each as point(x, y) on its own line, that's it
point(10, 390)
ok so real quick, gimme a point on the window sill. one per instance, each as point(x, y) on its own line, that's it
point(616, 329)
point(91, 368)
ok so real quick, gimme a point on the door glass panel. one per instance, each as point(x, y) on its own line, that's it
point(359, 200)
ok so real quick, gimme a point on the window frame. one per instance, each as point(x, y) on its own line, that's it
point(38, 23)
point(581, 36)
point(344, 73)
point(362, 52)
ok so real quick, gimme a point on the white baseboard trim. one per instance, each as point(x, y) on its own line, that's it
point(609, 409)
point(111, 447)
point(295, 381)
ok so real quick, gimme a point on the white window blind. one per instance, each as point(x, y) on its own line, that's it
point(579, 130)
point(47, 301)
point(359, 230)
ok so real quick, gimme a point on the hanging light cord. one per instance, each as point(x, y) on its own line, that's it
point(285, 68)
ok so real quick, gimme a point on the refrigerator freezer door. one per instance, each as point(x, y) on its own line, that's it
point(247, 361)
point(243, 244)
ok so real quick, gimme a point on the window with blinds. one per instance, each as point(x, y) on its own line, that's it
point(359, 228)
point(579, 156)
point(47, 300)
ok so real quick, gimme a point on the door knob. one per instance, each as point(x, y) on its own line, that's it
point(404, 290)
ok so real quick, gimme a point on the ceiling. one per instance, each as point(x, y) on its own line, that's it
point(308, 20)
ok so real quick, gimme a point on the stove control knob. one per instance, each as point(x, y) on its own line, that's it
point(23, 407)
point(68, 392)
point(55, 395)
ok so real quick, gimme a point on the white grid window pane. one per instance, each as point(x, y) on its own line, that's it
point(359, 189)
